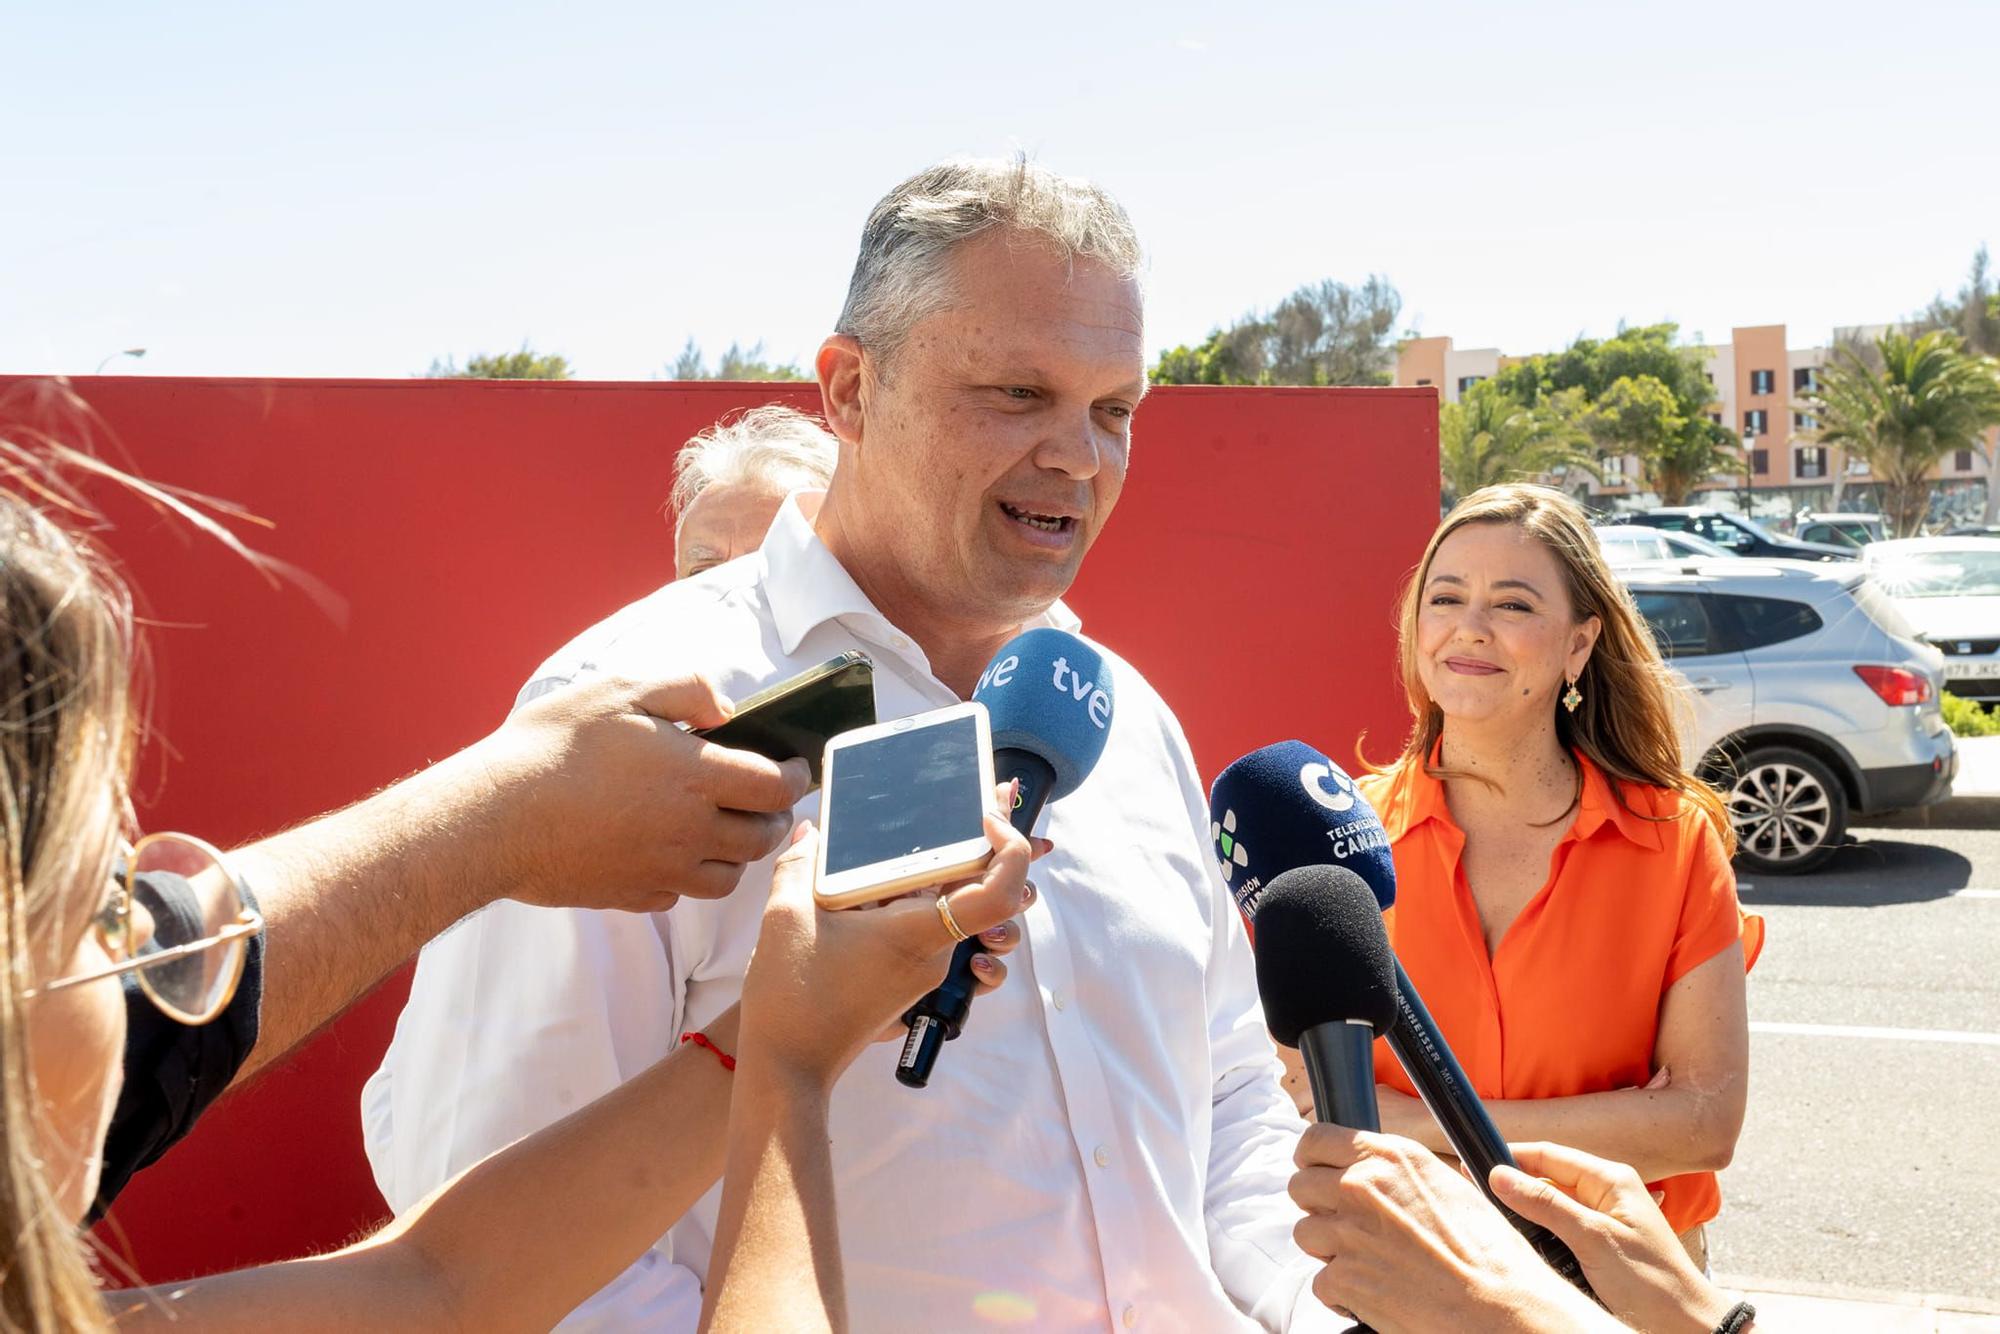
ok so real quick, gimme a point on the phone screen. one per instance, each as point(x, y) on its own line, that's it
point(904, 793)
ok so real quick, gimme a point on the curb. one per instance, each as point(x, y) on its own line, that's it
point(1839, 1292)
point(1961, 810)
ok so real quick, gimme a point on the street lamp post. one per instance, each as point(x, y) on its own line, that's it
point(133, 352)
point(1749, 444)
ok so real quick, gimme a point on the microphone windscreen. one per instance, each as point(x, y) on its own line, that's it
point(1049, 693)
point(1323, 954)
point(1288, 805)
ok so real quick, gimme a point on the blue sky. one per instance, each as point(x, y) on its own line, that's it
point(352, 190)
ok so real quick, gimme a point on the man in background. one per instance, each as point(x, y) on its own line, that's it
point(730, 480)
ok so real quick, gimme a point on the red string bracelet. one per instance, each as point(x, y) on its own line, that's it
point(701, 1040)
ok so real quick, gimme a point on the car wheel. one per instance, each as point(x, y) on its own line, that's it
point(1789, 810)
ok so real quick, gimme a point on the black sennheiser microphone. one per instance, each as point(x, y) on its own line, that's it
point(1048, 697)
point(1328, 982)
point(1286, 806)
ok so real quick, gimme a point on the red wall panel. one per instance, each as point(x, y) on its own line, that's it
point(472, 527)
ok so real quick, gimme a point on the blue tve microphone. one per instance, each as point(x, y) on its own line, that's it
point(1288, 806)
point(1048, 697)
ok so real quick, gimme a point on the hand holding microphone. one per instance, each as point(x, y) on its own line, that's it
point(823, 984)
point(1408, 1244)
point(1048, 697)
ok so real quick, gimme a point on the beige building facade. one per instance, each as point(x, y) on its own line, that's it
point(1761, 387)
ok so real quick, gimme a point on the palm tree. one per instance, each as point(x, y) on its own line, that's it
point(1487, 437)
point(1930, 397)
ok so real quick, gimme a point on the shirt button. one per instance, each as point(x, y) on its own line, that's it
point(1102, 1156)
point(1059, 1000)
point(1131, 1314)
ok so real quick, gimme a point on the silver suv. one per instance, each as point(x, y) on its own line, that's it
point(1814, 700)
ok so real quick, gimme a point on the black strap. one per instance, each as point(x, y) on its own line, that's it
point(1737, 1317)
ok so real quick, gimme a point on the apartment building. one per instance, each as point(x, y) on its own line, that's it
point(1421, 361)
point(1761, 384)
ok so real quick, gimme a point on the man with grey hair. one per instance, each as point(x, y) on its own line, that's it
point(1108, 1144)
point(730, 479)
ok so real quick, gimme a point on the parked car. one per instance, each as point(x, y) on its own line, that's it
point(1744, 537)
point(1814, 700)
point(1949, 589)
point(1973, 530)
point(1840, 530)
point(1630, 544)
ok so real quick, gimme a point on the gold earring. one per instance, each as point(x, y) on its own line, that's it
point(1573, 697)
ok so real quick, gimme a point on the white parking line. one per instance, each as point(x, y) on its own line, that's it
point(1864, 1031)
point(1749, 887)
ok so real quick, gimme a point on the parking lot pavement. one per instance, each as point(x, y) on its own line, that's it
point(1870, 1158)
point(1826, 1311)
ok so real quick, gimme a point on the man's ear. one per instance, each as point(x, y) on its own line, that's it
point(840, 378)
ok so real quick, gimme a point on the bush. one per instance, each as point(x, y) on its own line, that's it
point(1967, 717)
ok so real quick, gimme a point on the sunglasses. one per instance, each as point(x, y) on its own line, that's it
point(180, 921)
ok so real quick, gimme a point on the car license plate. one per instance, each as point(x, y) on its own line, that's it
point(1971, 671)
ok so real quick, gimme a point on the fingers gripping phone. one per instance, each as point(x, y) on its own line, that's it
point(904, 806)
point(795, 719)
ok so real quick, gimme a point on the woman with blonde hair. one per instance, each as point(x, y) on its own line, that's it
point(80, 910)
point(1564, 897)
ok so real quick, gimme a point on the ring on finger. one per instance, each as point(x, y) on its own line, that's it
point(951, 925)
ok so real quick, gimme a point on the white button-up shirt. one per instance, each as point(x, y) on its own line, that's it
point(1107, 1143)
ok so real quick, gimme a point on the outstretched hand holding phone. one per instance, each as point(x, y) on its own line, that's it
point(823, 984)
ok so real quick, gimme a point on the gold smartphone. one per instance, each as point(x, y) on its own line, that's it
point(904, 806)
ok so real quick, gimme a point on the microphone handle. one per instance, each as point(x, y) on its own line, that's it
point(940, 1016)
point(1340, 1068)
point(1427, 1059)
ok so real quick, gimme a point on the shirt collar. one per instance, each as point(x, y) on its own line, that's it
point(808, 587)
point(1599, 805)
point(1415, 796)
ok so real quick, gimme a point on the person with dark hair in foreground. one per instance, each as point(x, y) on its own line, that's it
point(1410, 1244)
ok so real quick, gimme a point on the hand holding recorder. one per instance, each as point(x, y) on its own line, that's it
point(602, 801)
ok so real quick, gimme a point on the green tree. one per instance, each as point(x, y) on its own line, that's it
point(738, 363)
point(1594, 365)
point(1325, 333)
point(1677, 451)
point(1646, 394)
point(1930, 396)
point(1486, 438)
point(1224, 357)
point(688, 365)
point(525, 364)
point(1974, 314)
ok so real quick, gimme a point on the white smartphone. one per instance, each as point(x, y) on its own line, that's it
point(902, 805)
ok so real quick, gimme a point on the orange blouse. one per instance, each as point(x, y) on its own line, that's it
point(1570, 1001)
